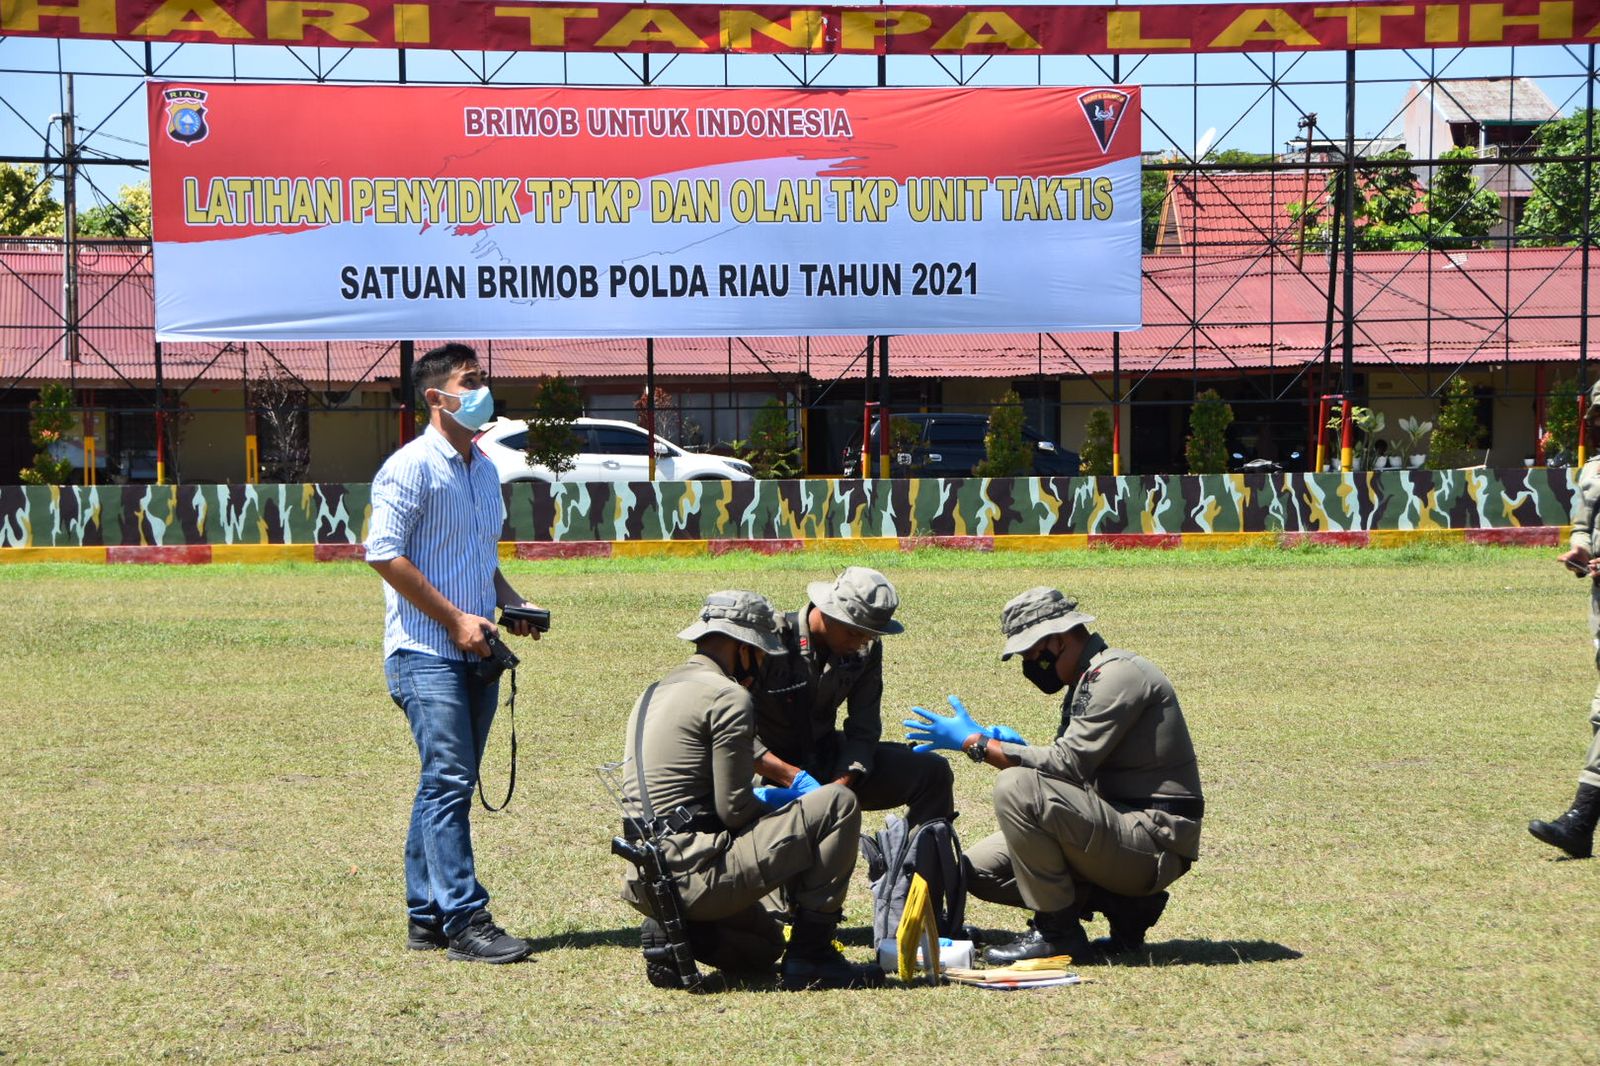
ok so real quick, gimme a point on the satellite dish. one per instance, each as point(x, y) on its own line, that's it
point(1203, 145)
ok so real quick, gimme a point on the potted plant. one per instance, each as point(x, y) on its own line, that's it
point(1414, 429)
point(1370, 451)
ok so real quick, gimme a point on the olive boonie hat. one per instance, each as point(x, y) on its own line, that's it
point(745, 616)
point(1036, 614)
point(861, 598)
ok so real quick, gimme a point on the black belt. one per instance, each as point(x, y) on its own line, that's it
point(682, 820)
point(1183, 807)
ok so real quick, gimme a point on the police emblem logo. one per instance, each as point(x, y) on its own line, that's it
point(1104, 109)
point(186, 115)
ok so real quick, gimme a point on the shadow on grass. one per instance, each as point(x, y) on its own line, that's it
point(1207, 953)
point(591, 938)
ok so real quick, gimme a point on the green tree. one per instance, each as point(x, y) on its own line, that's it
point(1004, 453)
point(1393, 214)
point(552, 442)
point(51, 417)
point(1461, 211)
point(1457, 436)
point(772, 449)
point(1095, 459)
point(1206, 448)
point(129, 217)
point(26, 207)
point(1554, 215)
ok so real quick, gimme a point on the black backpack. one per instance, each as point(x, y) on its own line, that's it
point(895, 853)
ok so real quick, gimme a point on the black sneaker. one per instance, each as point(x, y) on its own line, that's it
point(420, 936)
point(483, 941)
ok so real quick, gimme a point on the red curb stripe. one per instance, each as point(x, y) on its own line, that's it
point(761, 546)
point(1529, 536)
point(1135, 540)
point(1353, 538)
point(550, 549)
point(973, 544)
point(338, 553)
point(174, 554)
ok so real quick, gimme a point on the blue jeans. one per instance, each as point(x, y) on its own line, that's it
point(450, 710)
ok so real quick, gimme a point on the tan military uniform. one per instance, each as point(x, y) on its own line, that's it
point(1586, 535)
point(797, 705)
point(1085, 811)
point(699, 736)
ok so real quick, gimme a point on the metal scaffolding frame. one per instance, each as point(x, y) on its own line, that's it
point(1259, 102)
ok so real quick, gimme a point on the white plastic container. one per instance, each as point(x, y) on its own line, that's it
point(956, 953)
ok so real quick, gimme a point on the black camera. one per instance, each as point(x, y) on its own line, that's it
point(499, 660)
point(537, 617)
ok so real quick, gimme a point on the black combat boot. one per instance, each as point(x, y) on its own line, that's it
point(812, 961)
point(1573, 832)
point(660, 962)
point(1130, 917)
point(1050, 933)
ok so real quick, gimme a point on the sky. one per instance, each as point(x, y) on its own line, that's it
point(1184, 96)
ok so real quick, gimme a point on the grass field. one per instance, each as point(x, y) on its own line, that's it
point(207, 790)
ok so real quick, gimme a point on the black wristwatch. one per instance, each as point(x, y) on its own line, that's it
point(978, 751)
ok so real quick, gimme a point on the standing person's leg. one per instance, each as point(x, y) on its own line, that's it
point(922, 782)
point(441, 878)
point(1573, 831)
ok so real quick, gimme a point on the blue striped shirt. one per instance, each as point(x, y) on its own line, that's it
point(445, 516)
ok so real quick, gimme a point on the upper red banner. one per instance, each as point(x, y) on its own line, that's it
point(710, 28)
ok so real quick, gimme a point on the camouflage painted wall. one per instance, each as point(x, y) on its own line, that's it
point(34, 516)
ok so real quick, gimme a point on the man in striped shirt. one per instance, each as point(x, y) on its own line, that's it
point(437, 513)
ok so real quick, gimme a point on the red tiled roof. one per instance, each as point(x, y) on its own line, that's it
point(1255, 311)
point(1224, 212)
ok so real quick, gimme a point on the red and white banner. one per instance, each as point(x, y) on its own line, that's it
point(709, 29)
point(329, 212)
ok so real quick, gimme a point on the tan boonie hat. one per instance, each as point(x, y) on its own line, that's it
point(745, 616)
point(1594, 397)
point(861, 598)
point(1036, 614)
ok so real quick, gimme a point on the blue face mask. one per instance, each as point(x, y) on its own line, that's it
point(477, 407)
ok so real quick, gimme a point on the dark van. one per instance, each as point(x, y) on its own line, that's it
point(950, 445)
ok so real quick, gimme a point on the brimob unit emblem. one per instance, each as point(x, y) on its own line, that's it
point(186, 115)
point(1104, 109)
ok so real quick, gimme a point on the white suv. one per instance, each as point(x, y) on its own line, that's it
point(607, 451)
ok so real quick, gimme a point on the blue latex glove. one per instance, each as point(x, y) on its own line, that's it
point(934, 731)
point(804, 782)
point(1005, 734)
point(775, 797)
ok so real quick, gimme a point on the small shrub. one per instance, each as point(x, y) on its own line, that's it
point(1458, 433)
point(51, 417)
point(1095, 459)
point(771, 449)
point(1004, 453)
point(1206, 448)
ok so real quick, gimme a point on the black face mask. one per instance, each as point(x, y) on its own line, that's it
point(745, 669)
point(1042, 673)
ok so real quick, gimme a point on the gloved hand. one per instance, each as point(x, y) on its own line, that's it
point(804, 782)
point(775, 797)
point(1005, 734)
point(936, 731)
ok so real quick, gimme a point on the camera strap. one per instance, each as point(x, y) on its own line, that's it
point(511, 785)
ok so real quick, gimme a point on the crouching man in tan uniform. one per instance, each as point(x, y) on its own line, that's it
point(690, 745)
point(1103, 819)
